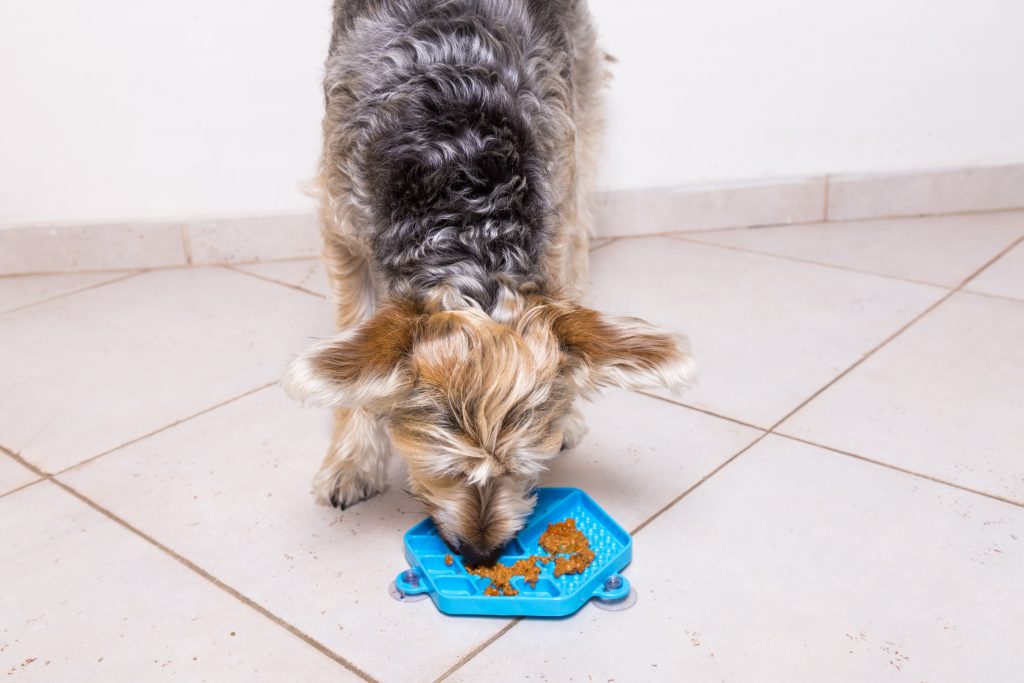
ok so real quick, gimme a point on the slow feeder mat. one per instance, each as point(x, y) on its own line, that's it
point(455, 591)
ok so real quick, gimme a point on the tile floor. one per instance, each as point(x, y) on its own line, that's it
point(841, 498)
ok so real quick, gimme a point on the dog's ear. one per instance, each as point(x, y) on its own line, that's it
point(623, 352)
point(364, 366)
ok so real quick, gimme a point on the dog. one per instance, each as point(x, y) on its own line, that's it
point(459, 146)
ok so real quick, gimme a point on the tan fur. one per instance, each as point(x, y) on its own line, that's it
point(569, 256)
point(355, 466)
point(475, 404)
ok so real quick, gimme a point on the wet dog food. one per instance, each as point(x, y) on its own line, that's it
point(568, 548)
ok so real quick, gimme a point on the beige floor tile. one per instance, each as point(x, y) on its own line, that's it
point(941, 250)
point(640, 453)
point(308, 274)
point(87, 373)
point(767, 332)
point(797, 564)
point(1005, 277)
point(84, 599)
point(24, 290)
point(13, 474)
point(238, 481)
point(945, 398)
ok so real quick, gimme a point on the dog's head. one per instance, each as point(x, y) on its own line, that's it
point(476, 402)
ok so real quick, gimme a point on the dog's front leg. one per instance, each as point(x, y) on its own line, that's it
point(356, 463)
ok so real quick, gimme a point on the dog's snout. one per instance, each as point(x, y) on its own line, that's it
point(474, 556)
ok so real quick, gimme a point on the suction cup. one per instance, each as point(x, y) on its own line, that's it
point(406, 588)
point(615, 595)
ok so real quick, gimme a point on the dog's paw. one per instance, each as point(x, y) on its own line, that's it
point(344, 498)
point(342, 485)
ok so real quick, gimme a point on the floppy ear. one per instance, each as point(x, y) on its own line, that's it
point(622, 352)
point(364, 366)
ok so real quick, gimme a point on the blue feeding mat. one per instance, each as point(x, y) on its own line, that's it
point(455, 591)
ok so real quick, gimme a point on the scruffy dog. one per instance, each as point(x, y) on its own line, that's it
point(459, 145)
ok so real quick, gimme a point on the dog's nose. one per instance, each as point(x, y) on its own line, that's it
point(474, 556)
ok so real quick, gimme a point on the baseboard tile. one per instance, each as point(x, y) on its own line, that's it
point(917, 193)
point(105, 246)
point(242, 239)
point(627, 213)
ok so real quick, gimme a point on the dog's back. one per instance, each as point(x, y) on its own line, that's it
point(449, 136)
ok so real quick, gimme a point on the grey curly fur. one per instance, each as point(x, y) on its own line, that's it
point(449, 137)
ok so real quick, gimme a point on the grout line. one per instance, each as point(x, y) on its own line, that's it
point(89, 271)
point(999, 297)
point(828, 189)
point(228, 266)
point(309, 640)
point(186, 243)
point(702, 410)
point(687, 237)
point(898, 332)
point(605, 243)
point(896, 216)
point(820, 445)
point(284, 259)
point(897, 468)
point(863, 358)
point(869, 219)
point(891, 217)
point(797, 259)
point(720, 416)
point(260, 261)
point(771, 431)
point(911, 216)
point(835, 379)
point(707, 476)
point(487, 643)
point(176, 266)
point(988, 263)
point(23, 486)
point(137, 439)
point(674, 233)
point(478, 649)
point(64, 295)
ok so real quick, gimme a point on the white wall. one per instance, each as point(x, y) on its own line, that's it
point(124, 109)
point(158, 108)
point(726, 89)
